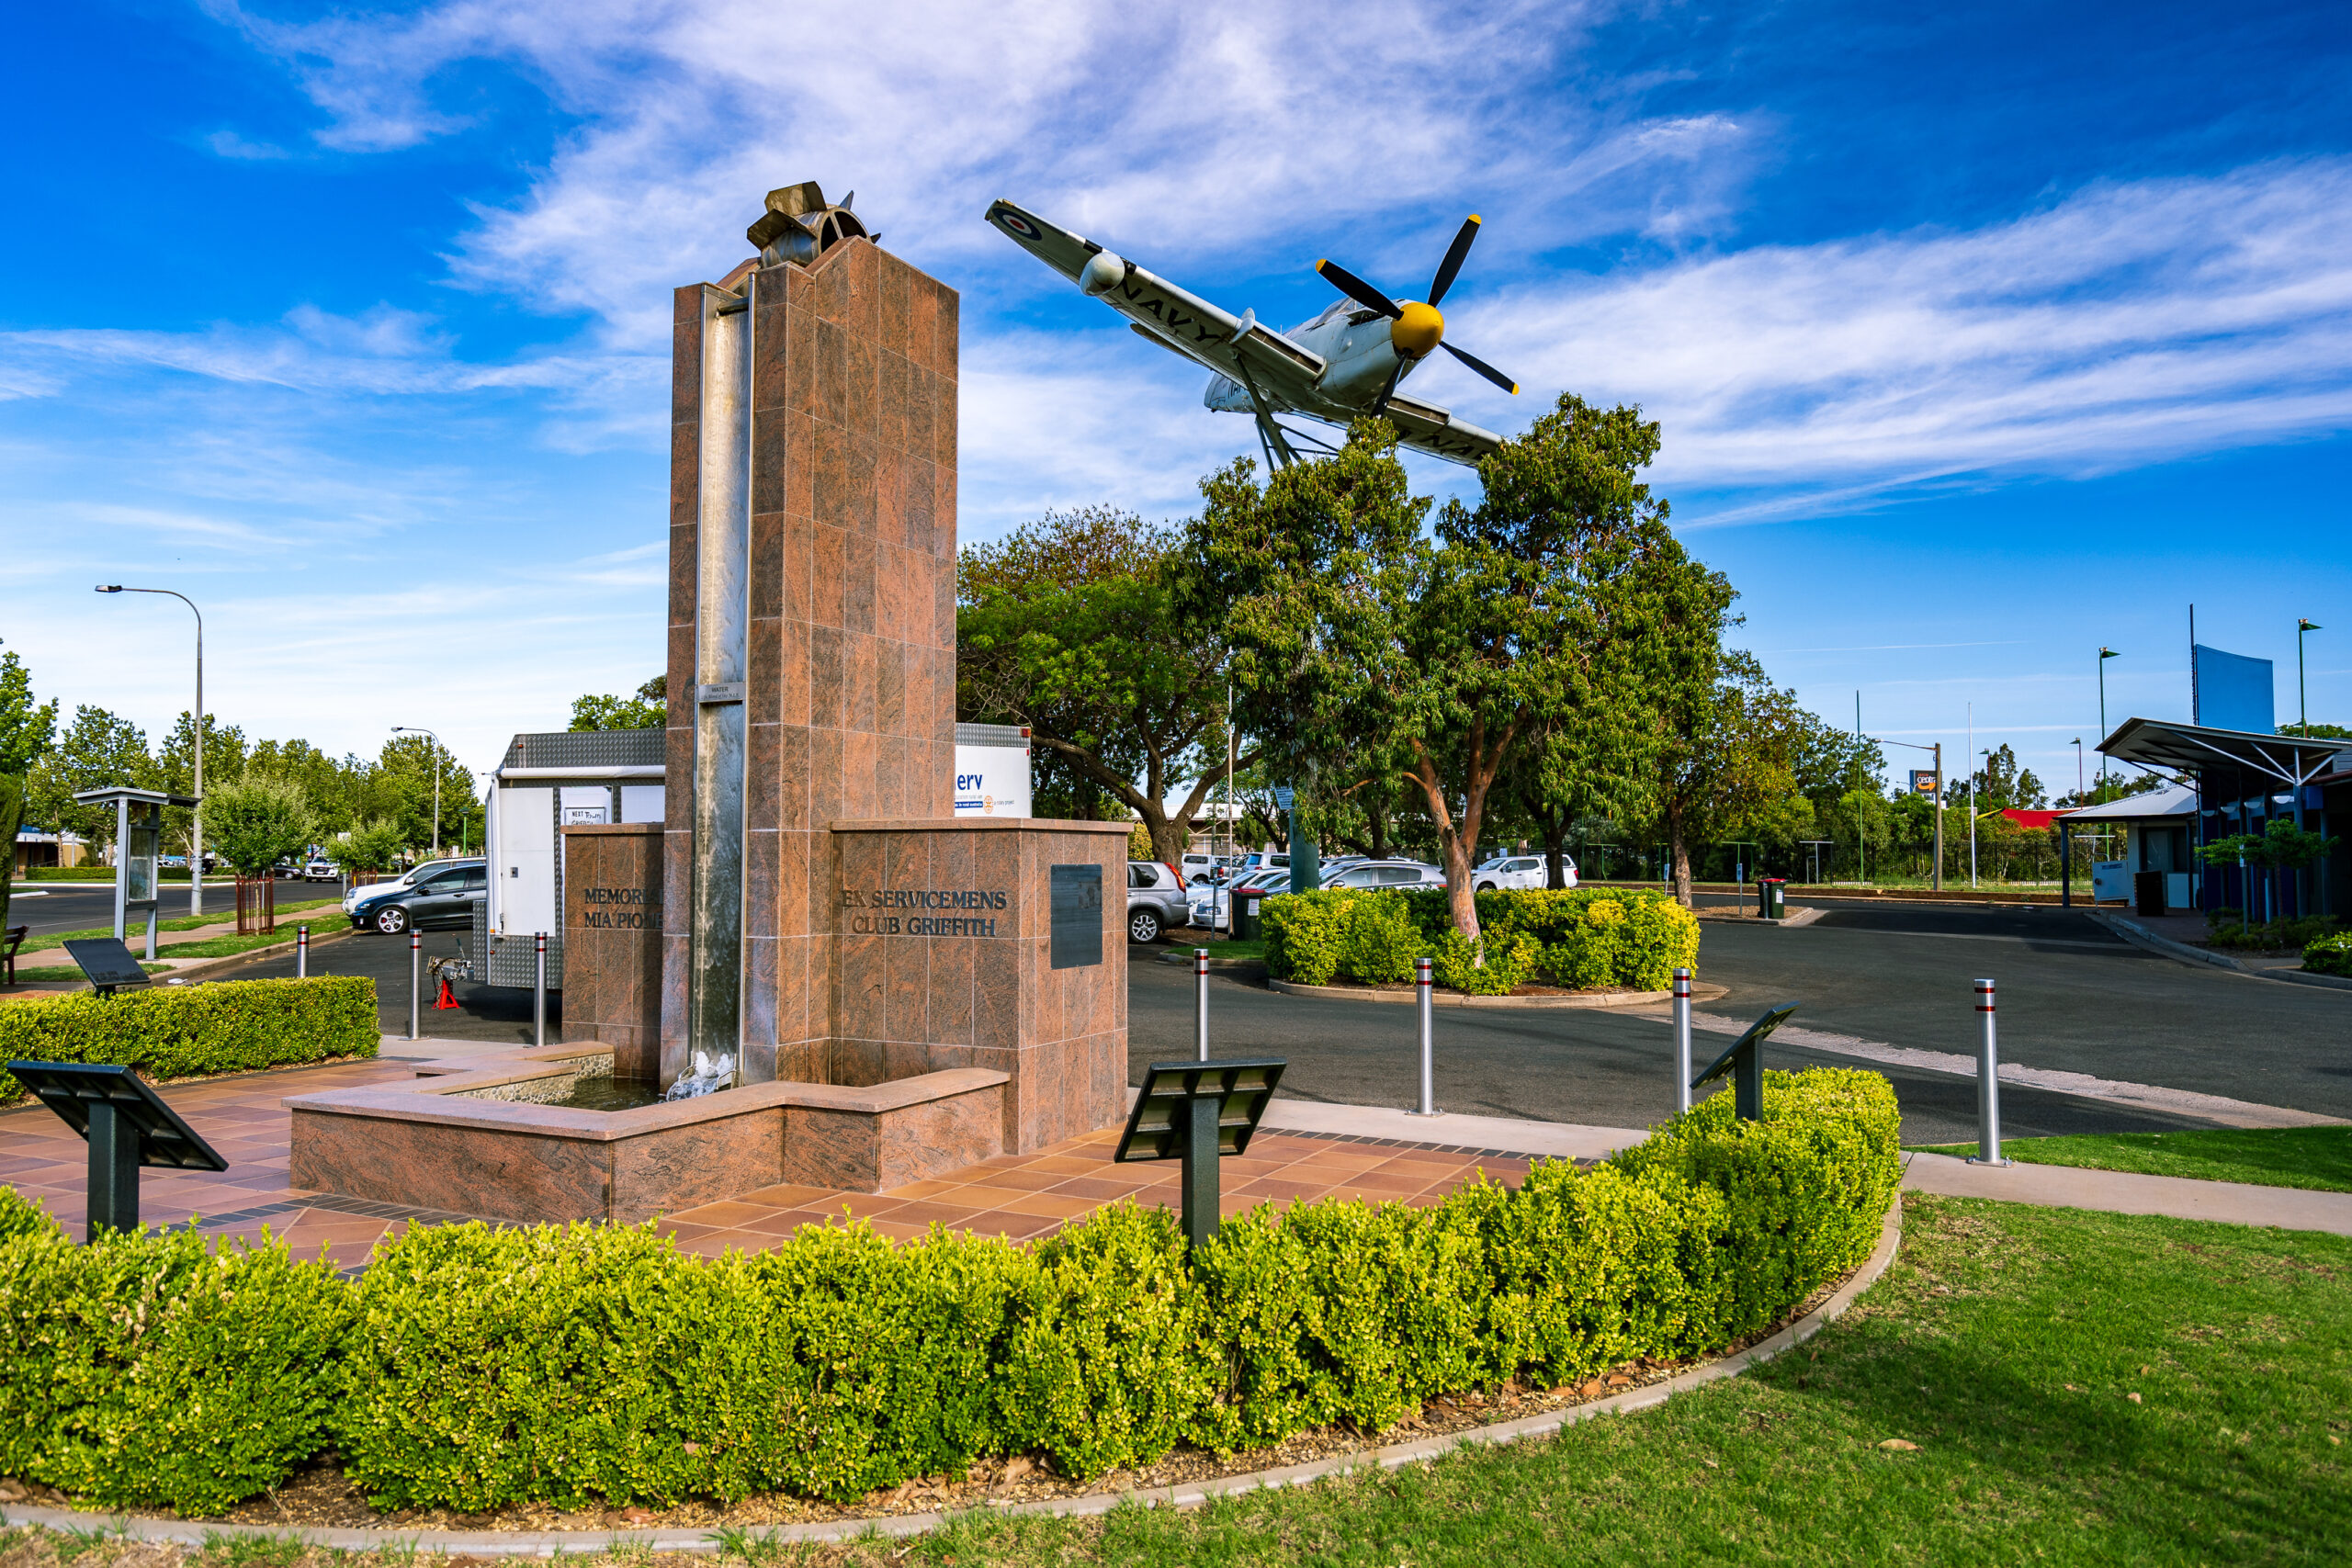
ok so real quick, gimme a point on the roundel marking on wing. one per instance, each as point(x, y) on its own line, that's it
point(1018, 224)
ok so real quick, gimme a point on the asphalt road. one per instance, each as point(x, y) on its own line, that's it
point(484, 1012)
point(2072, 998)
point(87, 905)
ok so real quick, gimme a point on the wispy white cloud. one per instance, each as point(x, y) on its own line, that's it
point(228, 144)
point(2128, 324)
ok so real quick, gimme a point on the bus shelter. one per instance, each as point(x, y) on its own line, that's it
point(137, 845)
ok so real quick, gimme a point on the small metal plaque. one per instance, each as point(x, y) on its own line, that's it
point(72, 1088)
point(106, 962)
point(715, 692)
point(1240, 1091)
point(1076, 916)
point(1758, 1033)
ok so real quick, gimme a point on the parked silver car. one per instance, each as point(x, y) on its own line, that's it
point(1157, 900)
point(1387, 874)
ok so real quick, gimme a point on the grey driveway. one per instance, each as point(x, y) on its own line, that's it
point(2072, 998)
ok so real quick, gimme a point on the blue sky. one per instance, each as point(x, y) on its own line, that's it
point(1979, 340)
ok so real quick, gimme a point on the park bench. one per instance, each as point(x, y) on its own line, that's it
point(10, 941)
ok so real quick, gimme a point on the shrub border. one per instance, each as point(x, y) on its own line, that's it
point(1438, 997)
point(547, 1543)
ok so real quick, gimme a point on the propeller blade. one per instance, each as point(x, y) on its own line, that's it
point(1455, 254)
point(1396, 374)
point(1483, 368)
point(1356, 289)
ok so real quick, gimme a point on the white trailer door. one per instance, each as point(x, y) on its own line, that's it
point(523, 863)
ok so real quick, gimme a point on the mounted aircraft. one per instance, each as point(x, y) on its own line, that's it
point(1344, 364)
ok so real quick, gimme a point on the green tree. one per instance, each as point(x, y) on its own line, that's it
point(1071, 625)
point(26, 728)
point(255, 821)
point(12, 817)
point(1356, 635)
point(175, 771)
point(331, 786)
point(401, 787)
point(368, 845)
point(1730, 766)
point(98, 749)
point(649, 709)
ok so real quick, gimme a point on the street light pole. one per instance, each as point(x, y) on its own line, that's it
point(2302, 708)
point(434, 757)
point(195, 815)
point(1938, 750)
point(2104, 655)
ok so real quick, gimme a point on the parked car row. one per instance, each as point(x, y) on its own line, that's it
point(439, 894)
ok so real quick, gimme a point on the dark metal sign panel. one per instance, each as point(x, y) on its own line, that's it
point(1077, 916)
point(105, 961)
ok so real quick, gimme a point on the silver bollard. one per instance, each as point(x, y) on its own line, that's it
point(539, 988)
point(1201, 1003)
point(1682, 1040)
point(301, 953)
point(1424, 996)
point(1988, 1083)
point(415, 978)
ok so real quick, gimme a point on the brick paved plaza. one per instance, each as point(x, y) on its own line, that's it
point(1016, 1196)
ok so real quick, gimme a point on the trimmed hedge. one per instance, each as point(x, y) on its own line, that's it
point(151, 1371)
point(1584, 939)
point(230, 1026)
point(470, 1368)
point(2330, 955)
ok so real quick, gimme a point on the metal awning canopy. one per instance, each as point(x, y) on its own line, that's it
point(113, 795)
point(2197, 749)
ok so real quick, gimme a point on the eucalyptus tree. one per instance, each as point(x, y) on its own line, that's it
point(1438, 653)
point(1071, 625)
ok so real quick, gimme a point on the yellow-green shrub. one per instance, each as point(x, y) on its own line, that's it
point(470, 1368)
point(231, 1026)
point(1586, 939)
point(151, 1371)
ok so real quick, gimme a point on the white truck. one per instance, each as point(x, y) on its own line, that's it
point(991, 769)
point(548, 782)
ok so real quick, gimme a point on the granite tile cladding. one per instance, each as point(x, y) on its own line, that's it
point(854, 368)
point(612, 918)
point(945, 962)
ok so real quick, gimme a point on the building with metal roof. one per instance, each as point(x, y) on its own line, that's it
point(2245, 780)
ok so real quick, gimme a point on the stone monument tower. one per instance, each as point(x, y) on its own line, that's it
point(827, 918)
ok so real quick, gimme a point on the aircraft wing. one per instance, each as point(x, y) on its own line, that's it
point(1428, 428)
point(1238, 347)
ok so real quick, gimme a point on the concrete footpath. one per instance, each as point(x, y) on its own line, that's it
point(2053, 1186)
point(2129, 1192)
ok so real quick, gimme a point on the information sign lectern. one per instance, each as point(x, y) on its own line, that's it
point(125, 1126)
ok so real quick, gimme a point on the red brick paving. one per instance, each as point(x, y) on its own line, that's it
point(1016, 1196)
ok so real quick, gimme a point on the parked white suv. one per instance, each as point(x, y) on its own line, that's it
point(1518, 870)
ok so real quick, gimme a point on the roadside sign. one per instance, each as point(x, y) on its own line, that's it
point(1923, 781)
point(1283, 796)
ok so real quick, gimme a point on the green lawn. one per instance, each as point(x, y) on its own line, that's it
point(2319, 1158)
point(188, 923)
point(72, 972)
point(2005, 1343)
